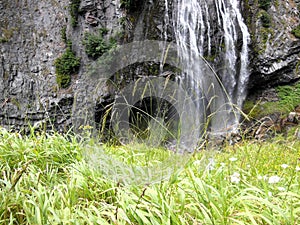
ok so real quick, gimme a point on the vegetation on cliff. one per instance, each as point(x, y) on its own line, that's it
point(296, 31)
point(288, 98)
point(264, 4)
point(74, 12)
point(96, 45)
point(65, 66)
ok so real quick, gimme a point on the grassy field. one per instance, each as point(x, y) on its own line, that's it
point(52, 179)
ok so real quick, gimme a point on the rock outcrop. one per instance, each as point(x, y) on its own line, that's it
point(31, 40)
point(275, 49)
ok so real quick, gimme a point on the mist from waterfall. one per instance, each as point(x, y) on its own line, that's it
point(195, 28)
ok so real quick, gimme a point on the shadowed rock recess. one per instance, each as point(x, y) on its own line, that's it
point(34, 33)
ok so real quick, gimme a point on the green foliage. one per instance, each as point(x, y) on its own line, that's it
point(265, 19)
point(266, 35)
point(63, 33)
point(264, 4)
point(258, 110)
point(63, 80)
point(297, 67)
point(3, 40)
point(65, 66)
point(289, 96)
point(68, 63)
point(46, 180)
point(127, 4)
point(6, 35)
point(74, 12)
point(296, 31)
point(96, 45)
point(251, 109)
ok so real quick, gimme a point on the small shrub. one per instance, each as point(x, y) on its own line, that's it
point(264, 4)
point(3, 40)
point(74, 12)
point(63, 80)
point(65, 66)
point(296, 31)
point(6, 35)
point(96, 45)
point(289, 96)
point(63, 33)
point(127, 4)
point(265, 20)
point(68, 63)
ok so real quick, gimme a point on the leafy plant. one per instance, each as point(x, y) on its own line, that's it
point(96, 45)
point(6, 35)
point(66, 65)
point(296, 31)
point(63, 33)
point(74, 12)
point(289, 96)
point(264, 4)
point(127, 4)
point(265, 19)
point(63, 80)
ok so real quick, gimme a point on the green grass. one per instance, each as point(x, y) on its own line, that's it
point(47, 179)
point(289, 98)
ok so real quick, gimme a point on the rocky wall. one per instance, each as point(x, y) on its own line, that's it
point(31, 40)
point(275, 49)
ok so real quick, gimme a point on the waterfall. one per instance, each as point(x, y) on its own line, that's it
point(214, 27)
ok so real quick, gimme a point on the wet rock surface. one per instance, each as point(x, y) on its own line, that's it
point(275, 50)
point(30, 41)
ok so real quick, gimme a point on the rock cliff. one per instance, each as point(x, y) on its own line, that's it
point(275, 49)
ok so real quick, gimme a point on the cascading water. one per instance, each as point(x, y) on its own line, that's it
point(206, 28)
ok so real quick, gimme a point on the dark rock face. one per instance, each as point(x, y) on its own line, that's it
point(275, 50)
point(29, 44)
point(30, 41)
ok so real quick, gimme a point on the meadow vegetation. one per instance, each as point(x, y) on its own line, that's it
point(46, 179)
point(288, 99)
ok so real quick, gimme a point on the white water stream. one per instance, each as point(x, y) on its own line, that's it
point(194, 28)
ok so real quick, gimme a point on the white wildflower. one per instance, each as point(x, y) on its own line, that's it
point(297, 168)
point(270, 194)
point(235, 178)
point(232, 159)
point(281, 188)
point(273, 179)
point(197, 163)
point(284, 166)
point(222, 164)
point(211, 164)
point(259, 177)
